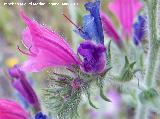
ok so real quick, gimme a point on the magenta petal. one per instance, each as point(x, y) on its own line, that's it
point(48, 47)
point(44, 59)
point(11, 110)
point(110, 29)
point(125, 11)
point(27, 40)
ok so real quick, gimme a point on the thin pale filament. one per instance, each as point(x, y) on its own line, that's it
point(72, 22)
point(30, 53)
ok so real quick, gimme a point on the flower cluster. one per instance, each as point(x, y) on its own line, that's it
point(47, 49)
point(86, 68)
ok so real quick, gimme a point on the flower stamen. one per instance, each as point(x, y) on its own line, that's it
point(30, 53)
point(72, 23)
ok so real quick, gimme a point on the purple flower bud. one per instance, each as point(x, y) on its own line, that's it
point(20, 83)
point(76, 83)
point(94, 57)
point(139, 31)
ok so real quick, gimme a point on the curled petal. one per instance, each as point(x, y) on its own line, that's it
point(12, 110)
point(50, 49)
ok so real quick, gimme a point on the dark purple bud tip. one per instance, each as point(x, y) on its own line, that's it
point(15, 72)
point(76, 84)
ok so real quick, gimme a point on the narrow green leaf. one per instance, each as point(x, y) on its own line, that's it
point(132, 64)
point(109, 50)
point(103, 96)
point(62, 75)
point(126, 61)
point(108, 55)
point(100, 85)
point(108, 69)
point(90, 102)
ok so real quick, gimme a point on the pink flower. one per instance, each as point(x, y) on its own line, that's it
point(11, 110)
point(125, 11)
point(46, 48)
point(110, 29)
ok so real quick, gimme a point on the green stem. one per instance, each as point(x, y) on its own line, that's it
point(151, 5)
point(141, 112)
point(153, 42)
point(153, 54)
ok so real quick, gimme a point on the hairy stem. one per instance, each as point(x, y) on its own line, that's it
point(153, 42)
point(141, 112)
point(151, 5)
point(153, 54)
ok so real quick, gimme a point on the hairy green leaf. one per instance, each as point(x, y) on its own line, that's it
point(103, 96)
point(90, 101)
point(100, 85)
point(108, 56)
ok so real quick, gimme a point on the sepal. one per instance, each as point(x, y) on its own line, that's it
point(127, 72)
point(100, 85)
point(90, 101)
